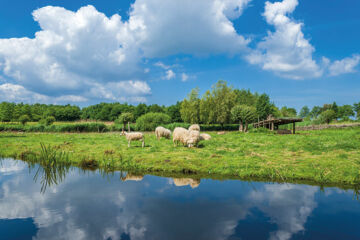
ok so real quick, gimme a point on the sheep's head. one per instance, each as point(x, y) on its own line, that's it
point(191, 143)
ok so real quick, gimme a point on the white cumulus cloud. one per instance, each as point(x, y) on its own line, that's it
point(199, 27)
point(346, 65)
point(285, 51)
point(170, 74)
point(72, 53)
point(184, 77)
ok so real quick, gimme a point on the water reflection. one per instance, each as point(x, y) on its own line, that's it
point(85, 205)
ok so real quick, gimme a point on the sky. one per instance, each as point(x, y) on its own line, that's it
point(82, 52)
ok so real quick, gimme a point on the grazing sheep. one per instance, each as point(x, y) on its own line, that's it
point(179, 182)
point(194, 127)
point(186, 137)
point(179, 135)
point(221, 133)
point(193, 138)
point(162, 132)
point(135, 136)
point(205, 136)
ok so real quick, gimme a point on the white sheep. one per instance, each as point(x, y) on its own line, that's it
point(162, 132)
point(205, 136)
point(193, 138)
point(186, 137)
point(194, 127)
point(135, 136)
point(179, 135)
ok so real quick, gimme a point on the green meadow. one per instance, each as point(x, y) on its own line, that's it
point(323, 157)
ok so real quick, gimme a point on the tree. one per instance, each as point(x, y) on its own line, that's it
point(245, 97)
point(6, 110)
point(174, 112)
point(345, 112)
point(125, 118)
point(304, 112)
point(140, 110)
point(223, 100)
point(206, 111)
point(264, 107)
point(189, 109)
point(24, 119)
point(335, 108)
point(327, 116)
point(288, 112)
point(49, 120)
point(244, 115)
point(356, 108)
point(155, 108)
point(315, 112)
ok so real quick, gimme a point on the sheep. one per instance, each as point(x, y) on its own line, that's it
point(179, 135)
point(135, 136)
point(205, 136)
point(179, 182)
point(193, 138)
point(194, 127)
point(162, 132)
point(186, 137)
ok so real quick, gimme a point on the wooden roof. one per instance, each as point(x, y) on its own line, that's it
point(277, 121)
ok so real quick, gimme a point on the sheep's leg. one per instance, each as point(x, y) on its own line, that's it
point(129, 143)
point(143, 144)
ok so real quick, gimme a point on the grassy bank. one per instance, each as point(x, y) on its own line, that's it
point(327, 156)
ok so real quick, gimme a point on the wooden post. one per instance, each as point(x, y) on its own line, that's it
point(293, 127)
point(272, 126)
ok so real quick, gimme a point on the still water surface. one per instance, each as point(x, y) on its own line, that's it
point(91, 205)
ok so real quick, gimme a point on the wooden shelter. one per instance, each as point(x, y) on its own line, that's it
point(274, 123)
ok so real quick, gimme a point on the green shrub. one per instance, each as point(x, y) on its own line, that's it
point(172, 126)
point(149, 121)
point(260, 130)
point(24, 119)
point(327, 116)
point(47, 121)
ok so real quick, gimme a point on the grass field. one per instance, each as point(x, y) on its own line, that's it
point(324, 157)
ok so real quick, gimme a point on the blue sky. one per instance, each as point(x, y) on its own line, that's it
point(300, 52)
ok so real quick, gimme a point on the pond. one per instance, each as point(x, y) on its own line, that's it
point(77, 204)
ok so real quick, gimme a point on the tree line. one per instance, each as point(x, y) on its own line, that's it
point(222, 104)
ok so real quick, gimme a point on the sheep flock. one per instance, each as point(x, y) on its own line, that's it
point(187, 137)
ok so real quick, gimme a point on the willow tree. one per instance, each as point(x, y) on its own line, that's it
point(244, 115)
point(124, 118)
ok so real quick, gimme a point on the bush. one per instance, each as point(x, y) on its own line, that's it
point(327, 116)
point(24, 119)
point(47, 121)
point(149, 121)
point(260, 130)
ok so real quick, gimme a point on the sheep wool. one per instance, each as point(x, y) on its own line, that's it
point(205, 136)
point(180, 135)
point(135, 136)
point(162, 132)
point(194, 127)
